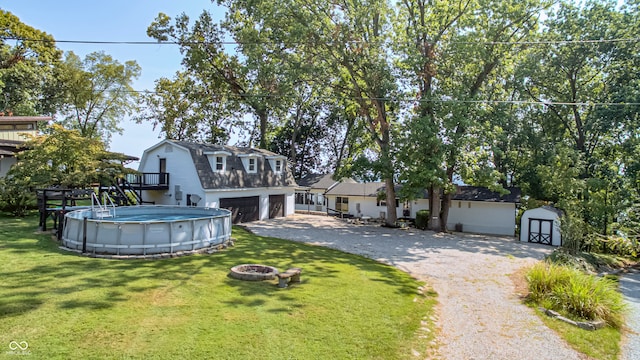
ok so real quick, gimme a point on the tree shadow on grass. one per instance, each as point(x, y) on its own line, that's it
point(46, 274)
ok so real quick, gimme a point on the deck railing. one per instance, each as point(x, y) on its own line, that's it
point(148, 179)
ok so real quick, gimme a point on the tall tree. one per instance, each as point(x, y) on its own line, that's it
point(184, 109)
point(99, 94)
point(436, 41)
point(252, 81)
point(28, 68)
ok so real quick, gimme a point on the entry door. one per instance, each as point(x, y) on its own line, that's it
point(276, 206)
point(541, 231)
point(163, 169)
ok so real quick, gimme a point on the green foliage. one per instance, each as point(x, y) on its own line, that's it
point(99, 93)
point(571, 292)
point(422, 219)
point(184, 109)
point(16, 196)
point(613, 244)
point(573, 232)
point(28, 69)
point(64, 158)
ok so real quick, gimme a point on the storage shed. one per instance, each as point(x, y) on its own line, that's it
point(541, 225)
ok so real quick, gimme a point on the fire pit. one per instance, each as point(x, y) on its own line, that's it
point(253, 272)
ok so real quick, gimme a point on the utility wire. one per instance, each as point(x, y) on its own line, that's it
point(408, 100)
point(540, 42)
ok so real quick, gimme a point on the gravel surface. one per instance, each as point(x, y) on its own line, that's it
point(479, 316)
point(630, 287)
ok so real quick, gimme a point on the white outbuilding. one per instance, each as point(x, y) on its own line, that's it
point(541, 225)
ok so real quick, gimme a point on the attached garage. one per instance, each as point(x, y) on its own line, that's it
point(541, 225)
point(243, 209)
point(276, 206)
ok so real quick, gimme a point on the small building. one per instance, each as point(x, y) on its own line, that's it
point(12, 136)
point(310, 194)
point(473, 209)
point(541, 225)
point(254, 184)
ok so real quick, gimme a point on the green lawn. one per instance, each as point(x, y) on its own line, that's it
point(68, 306)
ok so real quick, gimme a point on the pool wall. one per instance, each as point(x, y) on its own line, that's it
point(205, 228)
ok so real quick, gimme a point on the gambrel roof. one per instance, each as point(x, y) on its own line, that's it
point(235, 176)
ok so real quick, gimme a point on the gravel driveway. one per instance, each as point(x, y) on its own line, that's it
point(480, 316)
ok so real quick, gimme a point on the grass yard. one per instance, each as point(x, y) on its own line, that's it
point(67, 306)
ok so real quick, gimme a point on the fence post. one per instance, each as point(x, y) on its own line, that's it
point(84, 235)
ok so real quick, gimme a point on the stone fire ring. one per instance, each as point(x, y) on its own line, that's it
point(253, 272)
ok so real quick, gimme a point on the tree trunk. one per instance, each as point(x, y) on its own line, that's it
point(392, 216)
point(444, 214)
point(434, 208)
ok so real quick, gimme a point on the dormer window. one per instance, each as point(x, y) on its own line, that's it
point(277, 163)
point(220, 163)
point(250, 162)
point(218, 160)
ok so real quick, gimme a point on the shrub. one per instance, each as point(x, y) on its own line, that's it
point(576, 294)
point(422, 219)
point(16, 197)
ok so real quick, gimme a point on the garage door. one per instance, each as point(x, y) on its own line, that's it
point(243, 209)
point(276, 206)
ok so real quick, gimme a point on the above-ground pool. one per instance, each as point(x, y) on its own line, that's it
point(146, 230)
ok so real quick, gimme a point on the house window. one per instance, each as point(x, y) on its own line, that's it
point(217, 160)
point(383, 202)
point(24, 126)
point(219, 163)
point(6, 127)
point(278, 166)
point(342, 204)
point(252, 165)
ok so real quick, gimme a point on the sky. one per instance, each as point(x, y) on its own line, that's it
point(115, 20)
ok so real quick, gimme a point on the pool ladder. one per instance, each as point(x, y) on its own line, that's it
point(102, 210)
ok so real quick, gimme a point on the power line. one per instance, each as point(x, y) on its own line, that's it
point(538, 42)
point(409, 100)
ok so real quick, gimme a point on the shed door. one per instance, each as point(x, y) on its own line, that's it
point(276, 206)
point(243, 209)
point(541, 231)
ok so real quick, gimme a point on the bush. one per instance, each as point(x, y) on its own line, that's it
point(614, 244)
point(576, 294)
point(16, 197)
point(422, 219)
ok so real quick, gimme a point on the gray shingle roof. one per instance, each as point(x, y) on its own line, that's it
point(465, 193)
point(235, 176)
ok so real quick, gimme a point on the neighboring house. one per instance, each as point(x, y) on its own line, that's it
point(473, 209)
point(541, 225)
point(311, 189)
point(254, 184)
point(12, 136)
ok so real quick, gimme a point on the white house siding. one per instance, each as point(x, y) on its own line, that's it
point(5, 165)
point(181, 171)
point(483, 217)
point(368, 205)
point(545, 214)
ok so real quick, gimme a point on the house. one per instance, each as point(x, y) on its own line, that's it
point(12, 136)
point(473, 209)
point(310, 194)
point(254, 184)
point(541, 225)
